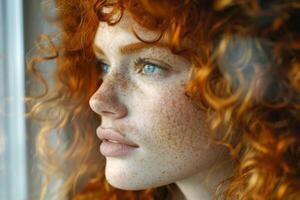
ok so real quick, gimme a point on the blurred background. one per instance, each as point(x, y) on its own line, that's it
point(21, 21)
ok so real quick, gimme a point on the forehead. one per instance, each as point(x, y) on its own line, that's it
point(111, 38)
point(122, 33)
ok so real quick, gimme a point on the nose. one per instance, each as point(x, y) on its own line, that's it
point(106, 100)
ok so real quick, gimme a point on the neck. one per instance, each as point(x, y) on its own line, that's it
point(203, 185)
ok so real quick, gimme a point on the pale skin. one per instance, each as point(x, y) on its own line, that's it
point(147, 103)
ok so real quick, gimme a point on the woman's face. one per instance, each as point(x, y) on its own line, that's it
point(142, 96)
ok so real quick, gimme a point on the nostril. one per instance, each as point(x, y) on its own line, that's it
point(107, 112)
point(116, 114)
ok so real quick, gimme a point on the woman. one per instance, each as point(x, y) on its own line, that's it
point(191, 99)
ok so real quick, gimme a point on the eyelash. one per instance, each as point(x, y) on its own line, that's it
point(139, 65)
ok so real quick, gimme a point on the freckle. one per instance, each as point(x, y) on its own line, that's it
point(126, 84)
point(173, 102)
point(121, 80)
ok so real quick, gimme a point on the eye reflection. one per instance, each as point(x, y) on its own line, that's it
point(102, 67)
point(145, 67)
point(149, 68)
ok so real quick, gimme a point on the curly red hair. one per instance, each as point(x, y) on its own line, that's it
point(246, 75)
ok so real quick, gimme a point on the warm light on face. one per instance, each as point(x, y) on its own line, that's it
point(150, 108)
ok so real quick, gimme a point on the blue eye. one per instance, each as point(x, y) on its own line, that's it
point(149, 68)
point(102, 67)
point(145, 67)
point(105, 68)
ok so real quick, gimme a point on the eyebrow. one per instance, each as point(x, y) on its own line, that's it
point(133, 47)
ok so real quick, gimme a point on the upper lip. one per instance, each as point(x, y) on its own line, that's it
point(111, 134)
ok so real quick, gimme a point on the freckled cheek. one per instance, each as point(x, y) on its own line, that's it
point(173, 124)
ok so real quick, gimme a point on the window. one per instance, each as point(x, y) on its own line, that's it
point(13, 170)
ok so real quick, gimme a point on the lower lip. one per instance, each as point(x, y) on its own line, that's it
point(111, 149)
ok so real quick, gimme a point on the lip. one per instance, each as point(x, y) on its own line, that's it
point(111, 134)
point(114, 144)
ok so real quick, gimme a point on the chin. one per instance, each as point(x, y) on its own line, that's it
point(130, 181)
point(122, 178)
point(123, 183)
point(123, 175)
